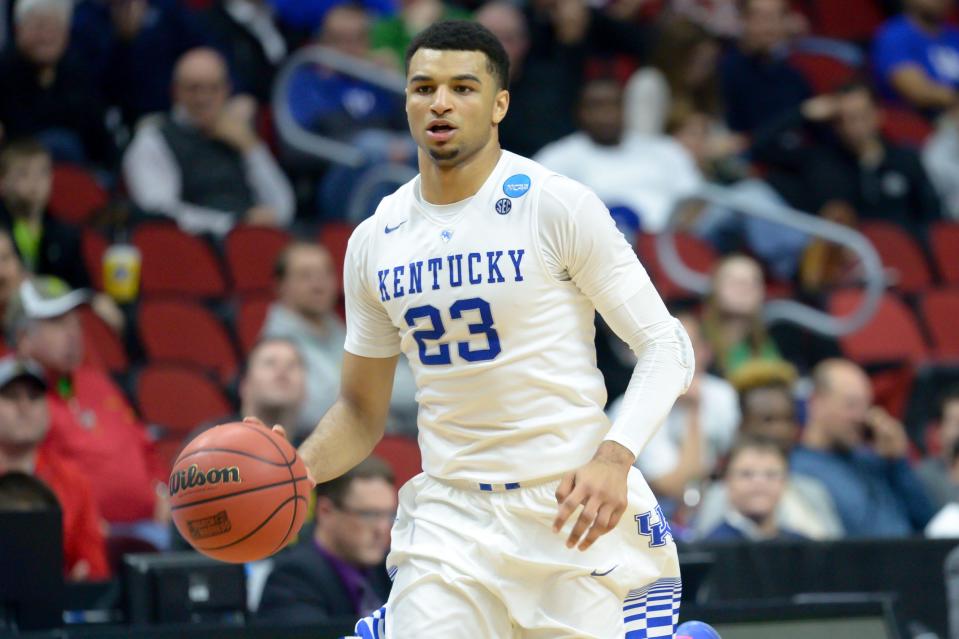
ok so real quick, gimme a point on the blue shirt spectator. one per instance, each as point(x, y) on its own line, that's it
point(132, 46)
point(306, 16)
point(916, 57)
point(875, 491)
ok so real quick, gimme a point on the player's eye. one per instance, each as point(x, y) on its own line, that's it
point(422, 89)
point(463, 89)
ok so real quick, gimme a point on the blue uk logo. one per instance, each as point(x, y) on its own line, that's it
point(516, 185)
point(658, 532)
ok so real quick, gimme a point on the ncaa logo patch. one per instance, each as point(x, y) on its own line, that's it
point(503, 206)
point(516, 185)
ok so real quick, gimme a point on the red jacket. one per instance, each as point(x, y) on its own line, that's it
point(82, 537)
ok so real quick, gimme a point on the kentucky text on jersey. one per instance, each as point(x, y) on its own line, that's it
point(491, 267)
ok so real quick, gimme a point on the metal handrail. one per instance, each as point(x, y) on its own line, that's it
point(781, 310)
point(293, 134)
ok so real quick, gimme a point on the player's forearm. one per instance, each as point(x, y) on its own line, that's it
point(344, 437)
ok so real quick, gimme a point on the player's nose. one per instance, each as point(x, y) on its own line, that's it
point(441, 101)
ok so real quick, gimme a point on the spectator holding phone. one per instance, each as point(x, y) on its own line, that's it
point(859, 451)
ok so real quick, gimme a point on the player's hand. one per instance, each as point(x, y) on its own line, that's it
point(600, 488)
point(279, 430)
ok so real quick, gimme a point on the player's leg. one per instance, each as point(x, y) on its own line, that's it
point(439, 565)
point(626, 586)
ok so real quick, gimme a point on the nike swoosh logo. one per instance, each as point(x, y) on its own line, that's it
point(603, 574)
point(390, 230)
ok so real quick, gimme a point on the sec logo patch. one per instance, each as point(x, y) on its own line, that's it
point(503, 206)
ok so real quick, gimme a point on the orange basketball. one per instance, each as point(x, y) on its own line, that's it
point(239, 492)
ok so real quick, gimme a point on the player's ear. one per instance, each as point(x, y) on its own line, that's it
point(500, 106)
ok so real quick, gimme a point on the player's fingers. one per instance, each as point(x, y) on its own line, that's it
point(585, 520)
point(567, 507)
point(250, 419)
point(279, 430)
point(565, 487)
point(601, 525)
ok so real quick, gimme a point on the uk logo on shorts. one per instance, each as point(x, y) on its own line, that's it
point(503, 206)
point(658, 531)
point(516, 185)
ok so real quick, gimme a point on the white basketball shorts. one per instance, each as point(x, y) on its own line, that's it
point(481, 561)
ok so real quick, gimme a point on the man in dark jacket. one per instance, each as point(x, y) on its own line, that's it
point(337, 573)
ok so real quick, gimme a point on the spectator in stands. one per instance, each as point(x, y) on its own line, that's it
point(844, 157)
point(757, 81)
point(203, 164)
point(131, 46)
point(682, 68)
point(755, 479)
point(247, 33)
point(769, 412)
point(339, 574)
point(859, 452)
point(940, 474)
point(24, 423)
point(392, 34)
point(698, 430)
point(304, 313)
point(91, 422)
point(732, 316)
point(940, 157)
point(563, 35)
point(48, 92)
point(304, 17)
point(647, 174)
point(916, 57)
point(44, 244)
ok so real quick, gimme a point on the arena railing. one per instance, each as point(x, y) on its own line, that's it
point(874, 278)
point(310, 143)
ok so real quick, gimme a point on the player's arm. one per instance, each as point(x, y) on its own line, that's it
point(355, 423)
point(581, 243)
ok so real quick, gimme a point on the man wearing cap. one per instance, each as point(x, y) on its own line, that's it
point(91, 422)
point(24, 422)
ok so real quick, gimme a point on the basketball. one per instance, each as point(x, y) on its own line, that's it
point(239, 492)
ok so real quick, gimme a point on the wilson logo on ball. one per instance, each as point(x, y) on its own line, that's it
point(193, 477)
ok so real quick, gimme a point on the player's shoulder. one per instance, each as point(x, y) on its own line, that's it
point(557, 187)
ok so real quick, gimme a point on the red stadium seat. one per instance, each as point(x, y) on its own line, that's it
point(940, 310)
point(251, 253)
point(179, 399)
point(177, 263)
point(249, 320)
point(102, 345)
point(905, 127)
point(92, 246)
point(855, 20)
point(824, 73)
point(695, 253)
point(334, 236)
point(944, 238)
point(403, 456)
point(900, 252)
point(76, 194)
point(892, 334)
point(183, 332)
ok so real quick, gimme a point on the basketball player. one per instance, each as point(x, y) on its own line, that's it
point(485, 271)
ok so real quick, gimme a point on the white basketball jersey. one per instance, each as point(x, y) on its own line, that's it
point(492, 300)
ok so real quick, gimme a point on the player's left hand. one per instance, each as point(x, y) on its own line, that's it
point(279, 430)
point(600, 488)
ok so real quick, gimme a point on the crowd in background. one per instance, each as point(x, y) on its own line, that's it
point(170, 105)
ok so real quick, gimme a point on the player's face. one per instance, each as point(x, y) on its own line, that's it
point(23, 413)
point(365, 519)
point(453, 104)
point(755, 480)
point(275, 377)
point(769, 412)
point(57, 343)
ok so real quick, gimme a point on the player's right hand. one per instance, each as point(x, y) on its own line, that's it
point(282, 433)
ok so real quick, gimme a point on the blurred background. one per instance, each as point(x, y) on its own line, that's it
point(178, 181)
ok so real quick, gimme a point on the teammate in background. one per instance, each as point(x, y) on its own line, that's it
point(485, 271)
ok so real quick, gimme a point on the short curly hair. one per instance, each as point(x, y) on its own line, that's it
point(464, 35)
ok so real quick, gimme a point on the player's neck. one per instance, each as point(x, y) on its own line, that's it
point(449, 184)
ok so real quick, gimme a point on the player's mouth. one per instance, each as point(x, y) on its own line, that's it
point(440, 130)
